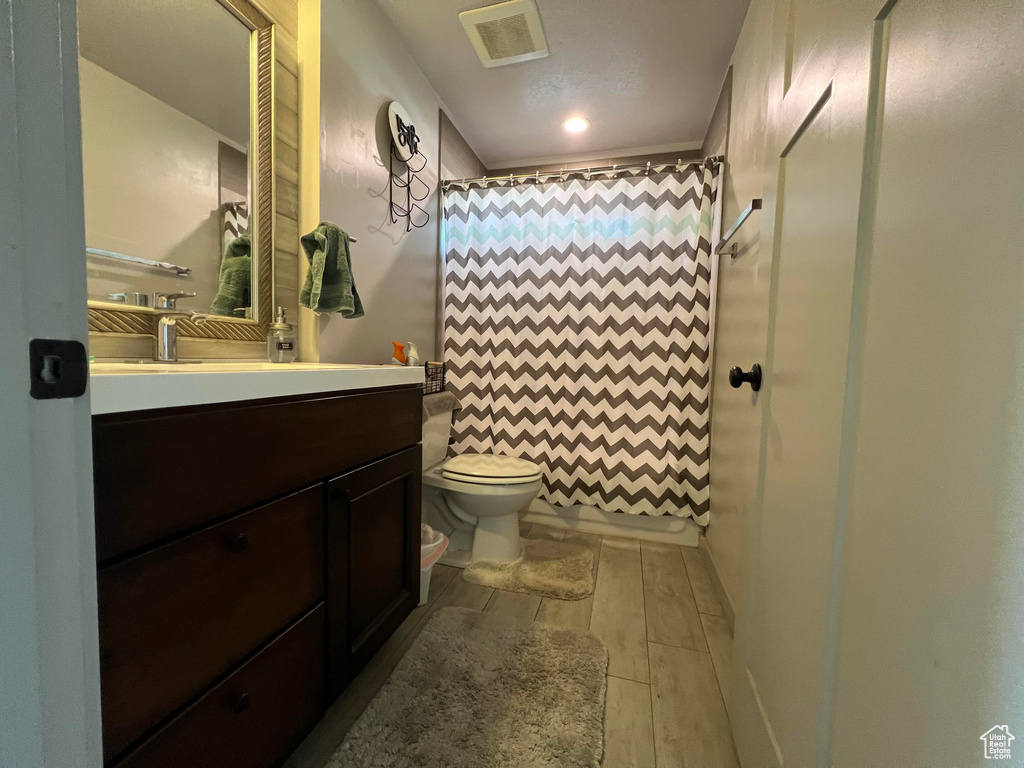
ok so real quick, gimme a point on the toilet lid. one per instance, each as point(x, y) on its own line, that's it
point(489, 469)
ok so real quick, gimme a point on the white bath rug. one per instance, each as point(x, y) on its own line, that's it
point(546, 567)
point(478, 690)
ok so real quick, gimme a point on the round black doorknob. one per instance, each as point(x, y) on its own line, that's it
point(738, 377)
point(240, 703)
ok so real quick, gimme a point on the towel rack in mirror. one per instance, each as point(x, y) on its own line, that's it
point(755, 205)
point(181, 271)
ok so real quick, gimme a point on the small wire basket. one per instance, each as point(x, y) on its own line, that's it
point(434, 380)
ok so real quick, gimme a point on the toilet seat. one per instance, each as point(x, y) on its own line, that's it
point(490, 469)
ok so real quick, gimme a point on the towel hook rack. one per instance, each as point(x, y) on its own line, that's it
point(397, 211)
point(755, 205)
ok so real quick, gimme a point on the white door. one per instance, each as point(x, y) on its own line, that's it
point(857, 649)
point(49, 656)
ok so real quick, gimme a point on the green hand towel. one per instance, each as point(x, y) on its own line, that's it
point(329, 286)
point(234, 291)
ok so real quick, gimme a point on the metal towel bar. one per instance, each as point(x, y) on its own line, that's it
point(755, 205)
point(181, 271)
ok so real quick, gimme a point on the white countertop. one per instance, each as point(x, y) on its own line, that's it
point(121, 387)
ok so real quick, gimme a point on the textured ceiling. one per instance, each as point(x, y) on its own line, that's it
point(190, 54)
point(646, 73)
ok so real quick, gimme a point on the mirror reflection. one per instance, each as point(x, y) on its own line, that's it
point(165, 152)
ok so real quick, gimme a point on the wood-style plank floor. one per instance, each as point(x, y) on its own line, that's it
point(669, 649)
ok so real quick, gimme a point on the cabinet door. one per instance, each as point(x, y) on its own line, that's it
point(373, 575)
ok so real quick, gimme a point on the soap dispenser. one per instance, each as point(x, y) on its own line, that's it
point(281, 346)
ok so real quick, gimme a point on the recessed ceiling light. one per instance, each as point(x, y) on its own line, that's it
point(576, 124)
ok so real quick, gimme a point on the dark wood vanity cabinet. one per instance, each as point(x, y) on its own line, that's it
point(373, 525)
point(178, 616)
point(252, 557)
point(256, 716)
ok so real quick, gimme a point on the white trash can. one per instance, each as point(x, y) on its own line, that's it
point(432, 545)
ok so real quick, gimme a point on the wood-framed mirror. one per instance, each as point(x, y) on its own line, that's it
point(177, 103)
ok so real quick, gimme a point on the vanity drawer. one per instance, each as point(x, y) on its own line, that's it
point(159, 473)
point(174, 619)
point(256, 717)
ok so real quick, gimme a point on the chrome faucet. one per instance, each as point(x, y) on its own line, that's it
point(170, 300)
point(131, 298)
point(165, 344)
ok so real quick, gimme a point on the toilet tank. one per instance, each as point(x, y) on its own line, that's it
point(437, 426)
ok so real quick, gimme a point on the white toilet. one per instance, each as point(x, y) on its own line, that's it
point(474, 499)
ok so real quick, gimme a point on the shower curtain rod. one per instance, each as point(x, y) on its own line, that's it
point(591, 169)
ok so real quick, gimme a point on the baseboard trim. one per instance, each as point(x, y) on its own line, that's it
point(667, 529)
point(752, 732)
point(724, 597)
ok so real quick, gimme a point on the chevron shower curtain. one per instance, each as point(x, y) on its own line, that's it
point(576, 333)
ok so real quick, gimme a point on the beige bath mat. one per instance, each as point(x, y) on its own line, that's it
point(477, 690)
point(547, 568)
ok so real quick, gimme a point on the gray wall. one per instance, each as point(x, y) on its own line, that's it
point(716, 140)
point(364, 65)
point(457, 157)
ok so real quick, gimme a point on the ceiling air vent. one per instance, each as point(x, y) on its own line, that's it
point(505, 33)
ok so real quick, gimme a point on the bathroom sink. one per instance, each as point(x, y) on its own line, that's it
point(146, 366)
point(139, 386)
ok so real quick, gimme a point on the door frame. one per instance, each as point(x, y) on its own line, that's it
point(49, 668)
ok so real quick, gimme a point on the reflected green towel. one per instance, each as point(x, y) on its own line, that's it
point(329, 286)
point(234, 291)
